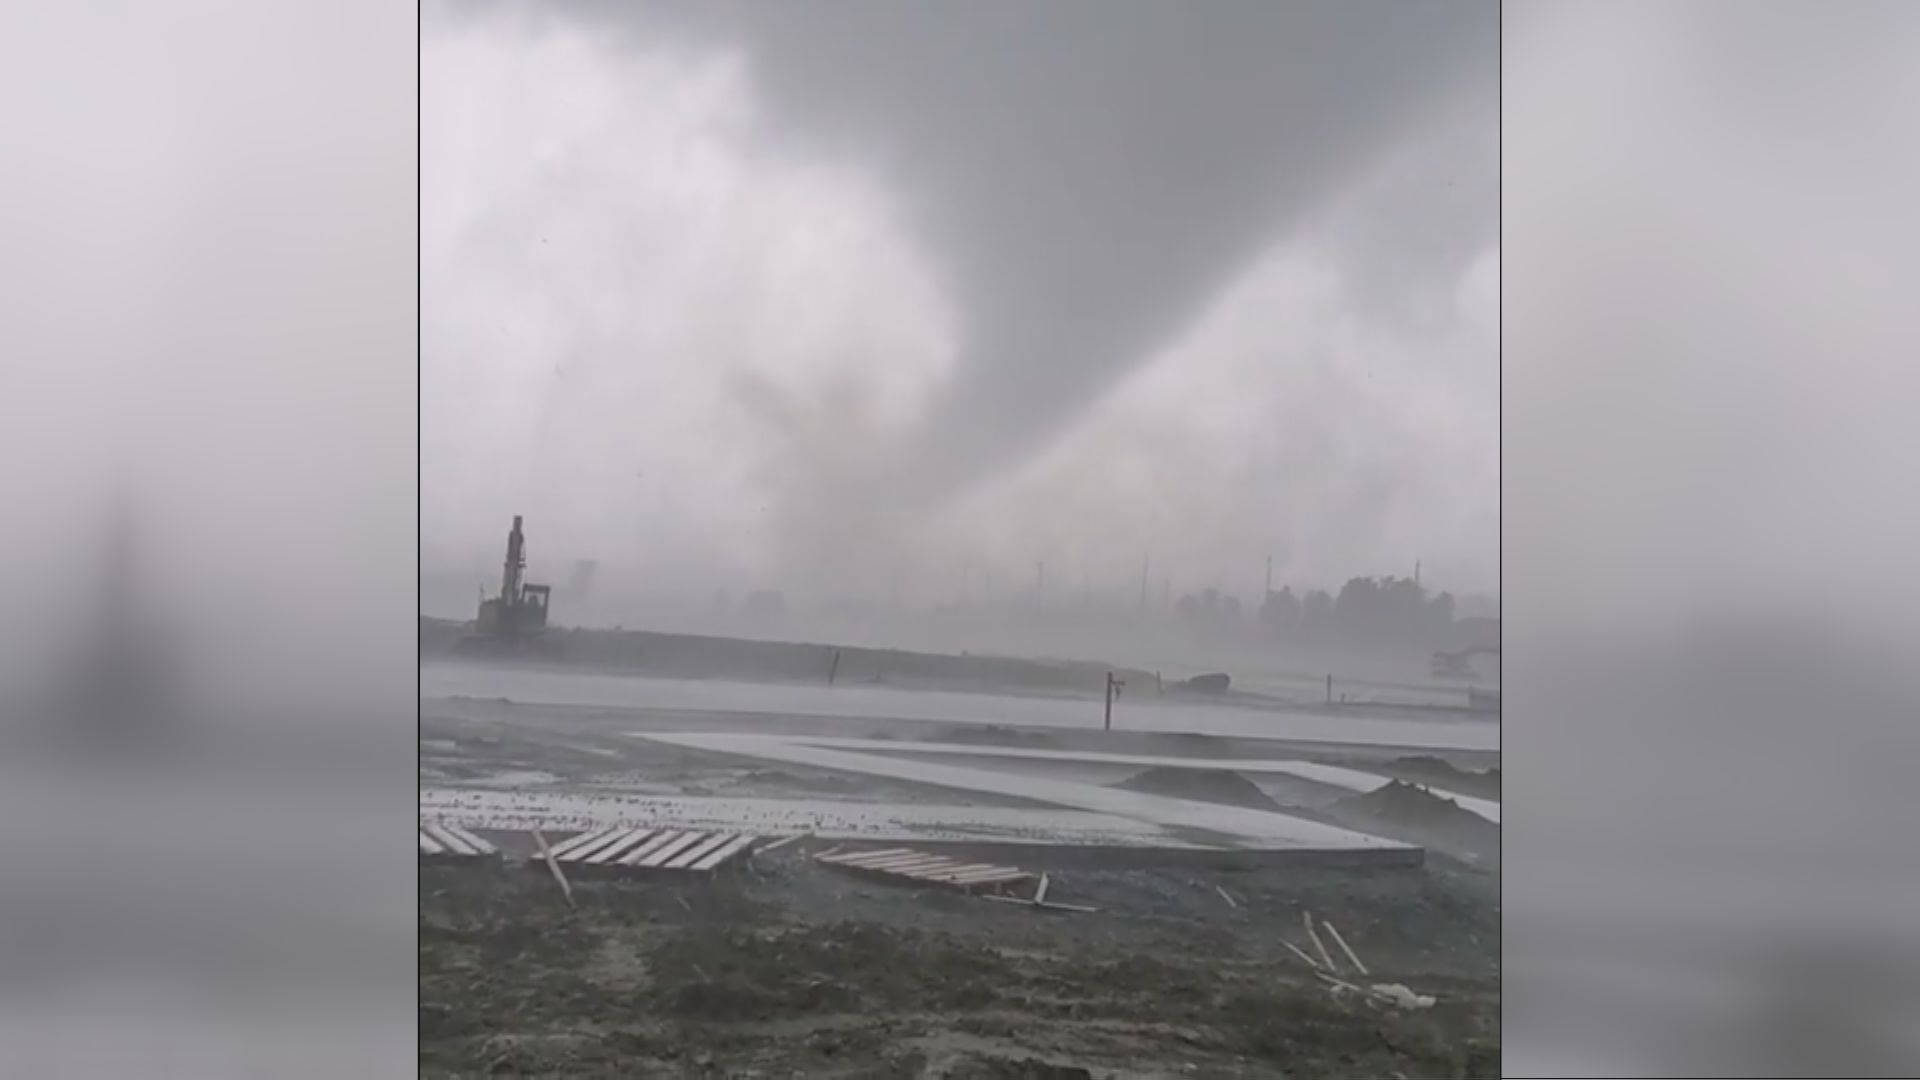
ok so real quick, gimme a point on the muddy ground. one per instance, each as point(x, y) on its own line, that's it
point(782, 967)
point(786, 968)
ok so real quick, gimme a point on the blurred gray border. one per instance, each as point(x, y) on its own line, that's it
point(1708, 328)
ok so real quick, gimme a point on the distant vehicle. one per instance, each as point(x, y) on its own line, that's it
point(1215, 683)
point(1457, 664)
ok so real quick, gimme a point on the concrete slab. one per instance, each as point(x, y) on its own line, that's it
point(1332, 775)
point(1216, 825)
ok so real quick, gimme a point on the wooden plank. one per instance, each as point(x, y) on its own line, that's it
point(887, 861)
point(453, 844)
point(1003, 876)
point(780, 843)
point(479, 846)
point(687, 858)
point(587, 851)
point(430, 846)
point(1295, 950)
point(987, 879)
point(432, 831)
point(914, 873)
point(959, 872)
point(923, 869)
point(624, 844)
point(654, 843)
point(896, 863)
point(859, 858)
point(669, 850)
point(986, 873)
point(1051, 905)
point(1319, 948)
point(714, 859)
point(553, 865)
point(567, 846)
point(1342, 942)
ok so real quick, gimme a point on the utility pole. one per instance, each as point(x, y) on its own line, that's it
point(1113, 692)
point(1416, 573)
point(1144, 561)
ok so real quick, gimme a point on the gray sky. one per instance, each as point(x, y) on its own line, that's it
point(824, 295)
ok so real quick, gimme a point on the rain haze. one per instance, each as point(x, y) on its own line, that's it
point(902, 307)
point(1044, 453)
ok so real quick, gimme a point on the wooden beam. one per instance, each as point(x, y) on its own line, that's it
point(1319, 947)
point(554, 866)
point(1342, 942)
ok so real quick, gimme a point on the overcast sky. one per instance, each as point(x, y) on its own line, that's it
point(826, 296)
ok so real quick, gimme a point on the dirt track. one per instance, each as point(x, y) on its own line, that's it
point(788, 969)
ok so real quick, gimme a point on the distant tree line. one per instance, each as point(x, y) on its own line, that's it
point(1390, 611)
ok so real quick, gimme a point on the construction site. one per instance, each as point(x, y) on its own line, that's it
point(631, 874)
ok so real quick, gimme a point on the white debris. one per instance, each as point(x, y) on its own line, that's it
point(1402, 996)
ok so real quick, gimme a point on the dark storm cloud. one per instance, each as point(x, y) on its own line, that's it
point(1089, 174)
point(826, 295)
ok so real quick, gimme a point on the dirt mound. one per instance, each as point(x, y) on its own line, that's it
point(1429, 763)
point(1407, 803)
point(1484, 785)
point(781, 779)
point(1402, 811)
point(1201, 785)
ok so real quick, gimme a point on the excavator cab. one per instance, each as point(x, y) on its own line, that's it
point(533, 607)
